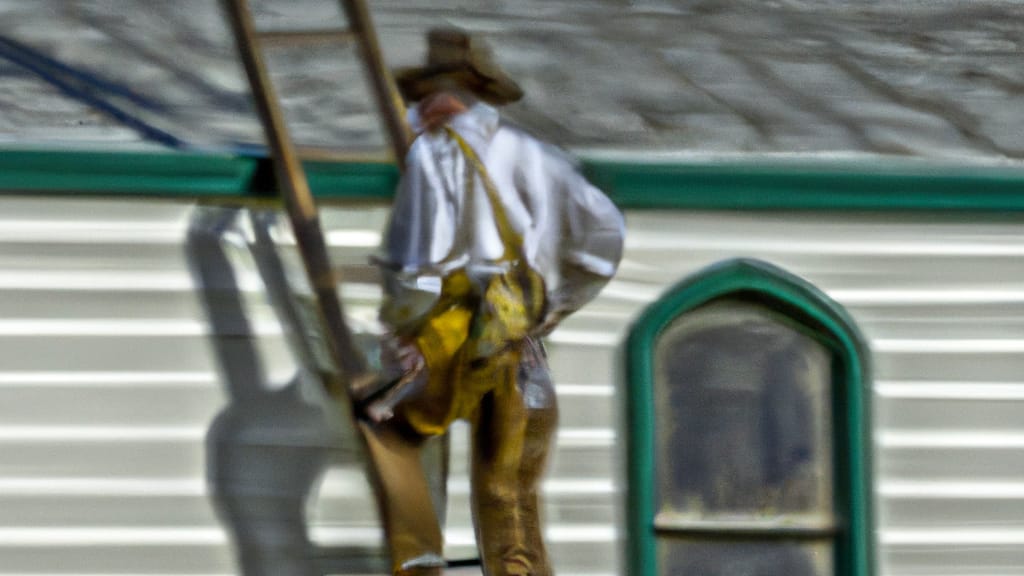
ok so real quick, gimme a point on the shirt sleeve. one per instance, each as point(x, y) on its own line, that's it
point(407, 260)
point(593, 232)
point(407, 241)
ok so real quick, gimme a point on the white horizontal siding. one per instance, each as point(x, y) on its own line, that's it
point(107, 384)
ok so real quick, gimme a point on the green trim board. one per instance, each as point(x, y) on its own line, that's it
point(824, 319)
point(180, 175)
point(732, 185)
point(361, 180)
point(123, 173)
point(823, 185)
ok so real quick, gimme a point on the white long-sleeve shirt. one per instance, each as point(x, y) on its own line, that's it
point(571, 232)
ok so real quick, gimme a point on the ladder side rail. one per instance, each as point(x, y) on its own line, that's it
point(299, 205)
point(390, 103)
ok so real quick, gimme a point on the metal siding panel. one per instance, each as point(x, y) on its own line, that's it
point(102, 425)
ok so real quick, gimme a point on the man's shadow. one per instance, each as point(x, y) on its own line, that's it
point(269, 447)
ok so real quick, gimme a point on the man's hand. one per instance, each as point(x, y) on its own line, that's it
point(405, 359)
point(409, 357)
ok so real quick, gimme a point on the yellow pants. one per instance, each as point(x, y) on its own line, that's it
point(513, 417)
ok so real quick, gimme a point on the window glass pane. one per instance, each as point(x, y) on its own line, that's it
point(744, 558)
point(742, 403)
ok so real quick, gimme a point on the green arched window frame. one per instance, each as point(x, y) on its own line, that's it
point(824, 319)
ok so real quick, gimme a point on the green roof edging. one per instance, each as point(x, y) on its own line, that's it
point(735, 185)
point(362, 180)
point(123, 173)
point(864, 185)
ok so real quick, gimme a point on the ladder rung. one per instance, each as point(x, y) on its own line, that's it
point(301, 37)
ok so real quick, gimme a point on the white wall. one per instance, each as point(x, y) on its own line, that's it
point(107, 383)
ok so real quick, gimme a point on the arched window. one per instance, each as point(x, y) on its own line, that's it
point(749, 434)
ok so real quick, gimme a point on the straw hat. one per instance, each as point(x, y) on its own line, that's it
point(456, 59)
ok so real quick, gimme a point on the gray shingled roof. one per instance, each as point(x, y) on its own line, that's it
point(938, 78)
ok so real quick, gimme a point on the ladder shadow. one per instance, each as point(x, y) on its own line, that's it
point(269, 447)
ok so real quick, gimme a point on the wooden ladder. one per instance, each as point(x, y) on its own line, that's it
point(293, 185)
point(302, 213)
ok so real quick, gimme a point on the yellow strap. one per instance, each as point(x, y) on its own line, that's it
point(509, 238)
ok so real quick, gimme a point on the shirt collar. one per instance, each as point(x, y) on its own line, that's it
point(480, 119)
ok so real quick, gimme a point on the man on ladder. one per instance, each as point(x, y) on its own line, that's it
point(494, 239)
